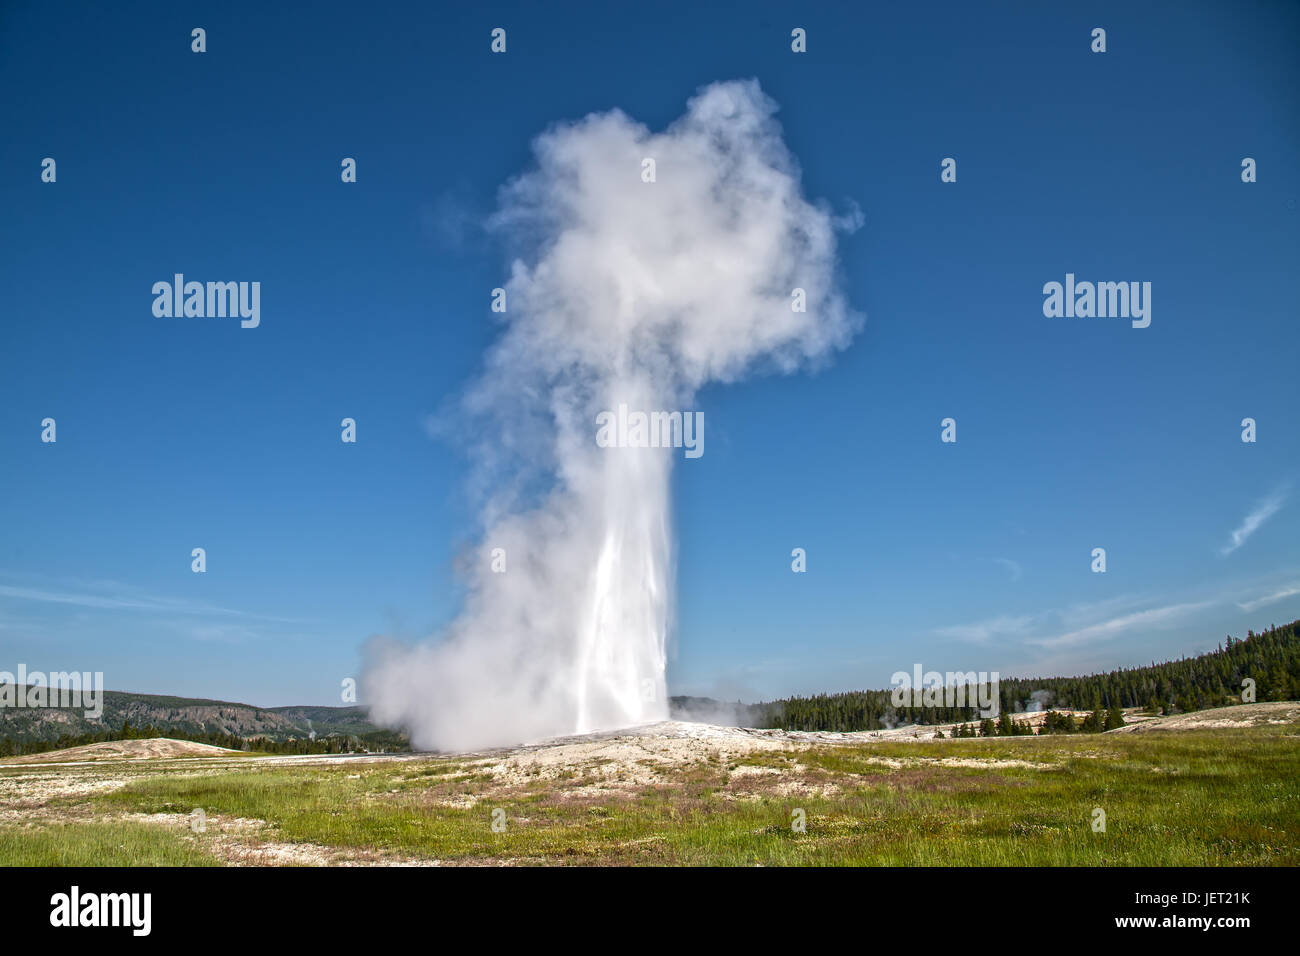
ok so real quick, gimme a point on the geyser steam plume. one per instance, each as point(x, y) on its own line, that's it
point(625, 292)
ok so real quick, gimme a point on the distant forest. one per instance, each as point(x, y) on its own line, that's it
point(1271, 659)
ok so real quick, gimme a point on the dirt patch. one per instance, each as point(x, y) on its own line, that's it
point(22, 793)
point(628, 759)
point(748, 782)
point(1222, 718)
point(240, 841)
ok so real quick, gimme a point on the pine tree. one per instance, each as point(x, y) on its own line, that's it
point(1114, 717)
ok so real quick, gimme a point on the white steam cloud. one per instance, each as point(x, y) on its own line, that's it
point(624, 292)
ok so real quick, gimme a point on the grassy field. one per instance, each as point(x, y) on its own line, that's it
point(1199, 797)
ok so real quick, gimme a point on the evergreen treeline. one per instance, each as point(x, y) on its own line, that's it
point(333, 744)
point(1056, 722)
point(1271, 659)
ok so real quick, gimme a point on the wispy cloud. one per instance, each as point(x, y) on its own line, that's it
point(984, 631)
point(1264, 510)
point(1278, 595)
point(130, 602)
point(223, 633)
point(1078, 635)
point(1083, 613)
point(1118, 625)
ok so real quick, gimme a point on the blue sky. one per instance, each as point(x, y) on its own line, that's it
point(1072, 433)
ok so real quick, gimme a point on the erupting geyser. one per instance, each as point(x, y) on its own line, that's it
point(630, 292)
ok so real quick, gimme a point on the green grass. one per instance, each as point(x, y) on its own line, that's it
point(121, 843)
point(1211, 797)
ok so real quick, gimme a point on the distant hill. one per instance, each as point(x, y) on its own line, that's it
point(1270, 659)
point(188, 715)
point(199, 717)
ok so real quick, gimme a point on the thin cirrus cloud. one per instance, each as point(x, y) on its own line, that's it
point(1264, 510)
point(1279, 595)
point(1082, 614)
point(129, 602)
point(983, 631)
point(1097, 622)
point(221, 633)
point(1027, 628)
point(1117, 625)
